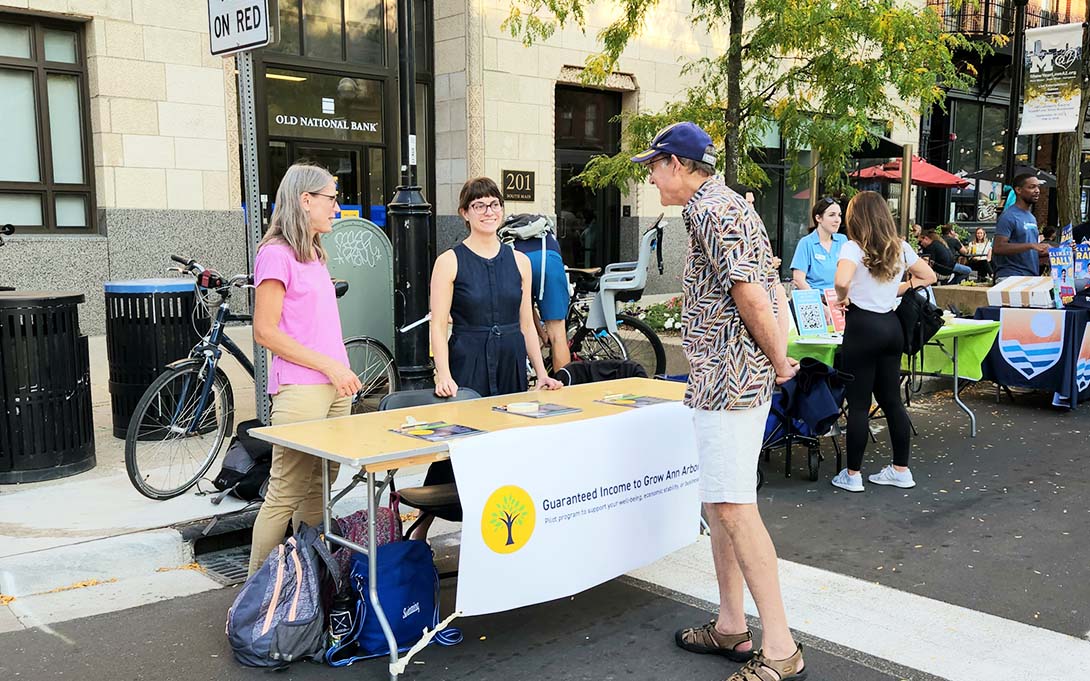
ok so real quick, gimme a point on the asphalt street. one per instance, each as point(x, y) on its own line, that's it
point(615, 631)
point(999, 523)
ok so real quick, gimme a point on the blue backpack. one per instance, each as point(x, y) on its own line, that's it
point(408, 588)
point(277, 616)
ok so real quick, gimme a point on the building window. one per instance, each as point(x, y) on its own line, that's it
point(46, 178)
point(979, 143)
point(352, 31)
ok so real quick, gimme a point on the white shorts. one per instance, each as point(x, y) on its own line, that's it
point(728, 444)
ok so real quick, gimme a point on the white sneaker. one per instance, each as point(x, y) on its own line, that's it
point(851, 483)
point(890, 476)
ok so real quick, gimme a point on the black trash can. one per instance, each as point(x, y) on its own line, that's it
point(149, 324)
point(46, 426)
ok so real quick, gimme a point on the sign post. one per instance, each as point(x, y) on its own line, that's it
point(237, 27)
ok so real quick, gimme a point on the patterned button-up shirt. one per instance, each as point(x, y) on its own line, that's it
point(727, 244)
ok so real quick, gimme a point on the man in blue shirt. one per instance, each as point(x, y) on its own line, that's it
point(1016, 248)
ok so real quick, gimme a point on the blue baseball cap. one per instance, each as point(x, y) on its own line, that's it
point(684, 140)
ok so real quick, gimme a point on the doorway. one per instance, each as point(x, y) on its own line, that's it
point(588, 220)
point(359, 169)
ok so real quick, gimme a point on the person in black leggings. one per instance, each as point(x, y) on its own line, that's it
point(868, 281)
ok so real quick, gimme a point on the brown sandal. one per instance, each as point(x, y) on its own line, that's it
point(760, 668)
point(707, 640)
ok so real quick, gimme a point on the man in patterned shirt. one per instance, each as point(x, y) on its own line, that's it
point(735, 339)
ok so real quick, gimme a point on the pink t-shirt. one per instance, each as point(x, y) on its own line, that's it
point(309, 315)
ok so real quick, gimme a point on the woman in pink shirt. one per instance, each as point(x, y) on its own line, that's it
point(296, 318)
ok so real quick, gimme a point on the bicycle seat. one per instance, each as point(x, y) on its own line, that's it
point(340, 287)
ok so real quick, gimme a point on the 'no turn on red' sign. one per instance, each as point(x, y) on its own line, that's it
point(237, 25)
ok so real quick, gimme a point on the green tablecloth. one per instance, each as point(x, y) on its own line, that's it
point(975, 339)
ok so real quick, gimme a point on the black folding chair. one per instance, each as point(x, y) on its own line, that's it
point(440, 501)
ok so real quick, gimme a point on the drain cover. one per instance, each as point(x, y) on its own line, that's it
point(227, 566)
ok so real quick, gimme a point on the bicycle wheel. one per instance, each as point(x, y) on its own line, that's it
point(642, 344)
point(594, 344)
point(177, 430)
point(375, 367)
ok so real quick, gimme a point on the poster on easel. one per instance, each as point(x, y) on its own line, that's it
point(809, 312)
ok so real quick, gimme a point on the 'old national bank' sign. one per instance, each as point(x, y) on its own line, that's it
point(329, 123)
point(321, 106)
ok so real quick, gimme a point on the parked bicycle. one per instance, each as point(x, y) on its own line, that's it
point(596, 330)
point(183, 418)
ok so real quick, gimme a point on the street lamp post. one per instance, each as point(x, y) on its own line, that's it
point(1018, 51)
point(410, 222)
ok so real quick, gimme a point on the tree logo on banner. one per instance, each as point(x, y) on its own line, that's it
point(508, 519)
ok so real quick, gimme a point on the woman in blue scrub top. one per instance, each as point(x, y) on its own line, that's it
point(814, 264)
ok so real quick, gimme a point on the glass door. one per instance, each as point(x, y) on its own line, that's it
point(344, 164)
point(588, 221)
point(359, 169)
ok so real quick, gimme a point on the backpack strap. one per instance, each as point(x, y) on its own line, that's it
point(541, 290)
point(331, 565)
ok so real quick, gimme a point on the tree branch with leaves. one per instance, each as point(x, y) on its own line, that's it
point(828, 75)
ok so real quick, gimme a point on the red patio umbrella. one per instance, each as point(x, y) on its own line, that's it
point(922, 174)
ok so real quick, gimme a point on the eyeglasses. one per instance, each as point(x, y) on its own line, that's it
point(827, 201)
point(334, 197)
point(651, 164)
point(481, 208)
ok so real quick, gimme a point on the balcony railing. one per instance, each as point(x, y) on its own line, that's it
point(988, 18)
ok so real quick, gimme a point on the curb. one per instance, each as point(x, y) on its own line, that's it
point(104, 560)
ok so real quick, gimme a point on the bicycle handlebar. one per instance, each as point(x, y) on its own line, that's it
point(208, 278)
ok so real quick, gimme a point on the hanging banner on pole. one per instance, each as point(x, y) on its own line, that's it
point(1052, 63)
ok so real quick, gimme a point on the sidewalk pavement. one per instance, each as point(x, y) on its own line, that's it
point(95, 530)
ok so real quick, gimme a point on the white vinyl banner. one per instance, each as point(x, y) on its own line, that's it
point(1053, 81)
point(549, 511)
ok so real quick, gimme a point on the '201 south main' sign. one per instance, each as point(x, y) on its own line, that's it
point(237, 25)
point(518, 185)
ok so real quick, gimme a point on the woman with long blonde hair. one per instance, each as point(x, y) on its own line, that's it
point(868, 282)
point(296, 318)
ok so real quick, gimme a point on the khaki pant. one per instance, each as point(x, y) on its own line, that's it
point(295, 483)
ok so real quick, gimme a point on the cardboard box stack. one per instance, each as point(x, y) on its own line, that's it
point(1023, 292)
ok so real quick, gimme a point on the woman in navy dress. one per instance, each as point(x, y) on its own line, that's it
point(484, 287)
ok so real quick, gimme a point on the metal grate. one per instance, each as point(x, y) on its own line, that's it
point(228, 566)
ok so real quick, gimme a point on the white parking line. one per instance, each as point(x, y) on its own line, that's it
point(921, 633)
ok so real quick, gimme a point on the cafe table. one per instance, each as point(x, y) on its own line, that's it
point(957, 350)
point(367, 443)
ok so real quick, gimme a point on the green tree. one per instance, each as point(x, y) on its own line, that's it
point(509, 512)
point(828, 74)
